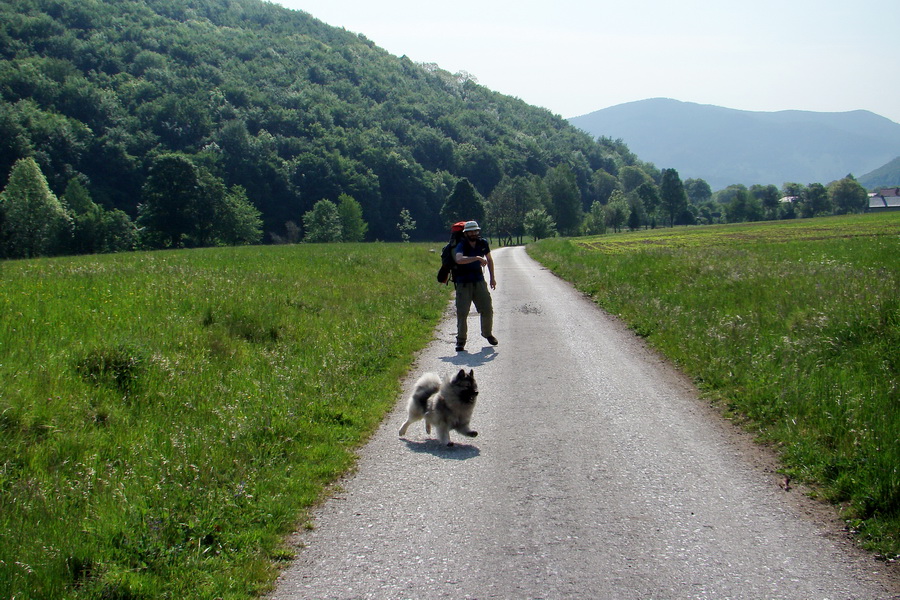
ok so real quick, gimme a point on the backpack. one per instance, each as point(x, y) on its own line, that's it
point(447, 272)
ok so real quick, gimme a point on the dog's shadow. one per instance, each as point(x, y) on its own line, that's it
point(455, 452)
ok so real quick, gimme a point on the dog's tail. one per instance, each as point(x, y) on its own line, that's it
point(426, 386)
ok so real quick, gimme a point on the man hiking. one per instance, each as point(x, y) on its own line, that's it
point(471, 255)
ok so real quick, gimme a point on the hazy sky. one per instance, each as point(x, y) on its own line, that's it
point(577, 56)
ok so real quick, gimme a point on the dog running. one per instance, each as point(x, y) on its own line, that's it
point(446, 404)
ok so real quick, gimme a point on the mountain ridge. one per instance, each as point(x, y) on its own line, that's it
point(728, 146)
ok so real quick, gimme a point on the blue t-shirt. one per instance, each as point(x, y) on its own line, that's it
point(471, 272)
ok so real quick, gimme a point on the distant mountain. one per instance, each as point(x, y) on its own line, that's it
point(726, 146)
point(885, 176)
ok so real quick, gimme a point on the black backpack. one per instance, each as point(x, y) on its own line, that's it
point(447, 272)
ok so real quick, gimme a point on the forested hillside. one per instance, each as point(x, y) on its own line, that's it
point(885, 176)
point(271, 100)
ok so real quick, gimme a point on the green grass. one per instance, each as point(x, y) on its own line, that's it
point(166, 418)
point(794, 327)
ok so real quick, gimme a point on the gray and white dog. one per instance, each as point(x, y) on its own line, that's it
point(444, 404)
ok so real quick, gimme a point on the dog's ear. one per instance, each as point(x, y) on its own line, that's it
point(461, 374)
point(471, 373)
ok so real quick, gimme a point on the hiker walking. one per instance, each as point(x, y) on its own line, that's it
point(472, 254)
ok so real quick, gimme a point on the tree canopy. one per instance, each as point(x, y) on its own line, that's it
point(464, 204)
point(323, 223)
point(259, 113)
point(269, 99)
point(672, 195)
point(34, 222)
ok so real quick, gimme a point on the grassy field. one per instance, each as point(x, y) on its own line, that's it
point(165, 418)
point(793, 327)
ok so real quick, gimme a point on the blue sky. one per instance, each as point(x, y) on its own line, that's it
point(577, 56)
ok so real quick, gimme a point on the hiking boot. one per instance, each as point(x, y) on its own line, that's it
point(491, 340)
point(460, 347)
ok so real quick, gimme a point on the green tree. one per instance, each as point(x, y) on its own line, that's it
point(709, 212)
point(510, 201)
point(814, 201)
point(650, 201)
point(616, 212)
point(239, 222)
point(727, 195)
point(482, 167)
point(87, 216)
point(848, 196)
point(595, 221)
point(744, 206)
point(170, 192)
point(788, 210)
point(792, 190)
point(566, 199)
point(539, 225)
point(603, 185)
point(631, 178)
point(96, 229)
point(698, 191)
point(186, 205)
point(406, 224)
point(322, 223)
point(754, 208)
point(689, 216)
point(353, 227)
point(638, 212)
point(672, 195)
point(769, 196)
point(464, 204)
point(207, 210)
point(120, 234)
point(77, 198)
point(34, 222)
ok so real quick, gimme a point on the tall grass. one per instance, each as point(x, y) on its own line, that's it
point(165, 418)
point(794, 326)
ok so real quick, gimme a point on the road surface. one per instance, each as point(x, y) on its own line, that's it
point(597, 473)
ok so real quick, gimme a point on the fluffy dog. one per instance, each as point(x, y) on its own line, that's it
point(445, 404)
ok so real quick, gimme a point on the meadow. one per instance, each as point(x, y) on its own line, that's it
point(167, 418)
point(792, 328)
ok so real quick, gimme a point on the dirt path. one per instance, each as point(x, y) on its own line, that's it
point(597, 473)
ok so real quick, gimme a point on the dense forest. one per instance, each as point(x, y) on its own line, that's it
point(271, 100)
point(176, 123)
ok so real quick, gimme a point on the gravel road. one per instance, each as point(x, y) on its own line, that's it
point(597, 473)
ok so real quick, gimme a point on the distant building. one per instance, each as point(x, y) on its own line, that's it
point(884, 200)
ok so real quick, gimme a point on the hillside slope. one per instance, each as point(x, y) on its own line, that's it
point(726, 146)
point(887, 175)
point(267, 98)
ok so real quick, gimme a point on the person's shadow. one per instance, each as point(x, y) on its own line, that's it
point(466, 359)
point(455, 452)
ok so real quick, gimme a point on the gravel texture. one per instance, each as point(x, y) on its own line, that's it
point(597, 473)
